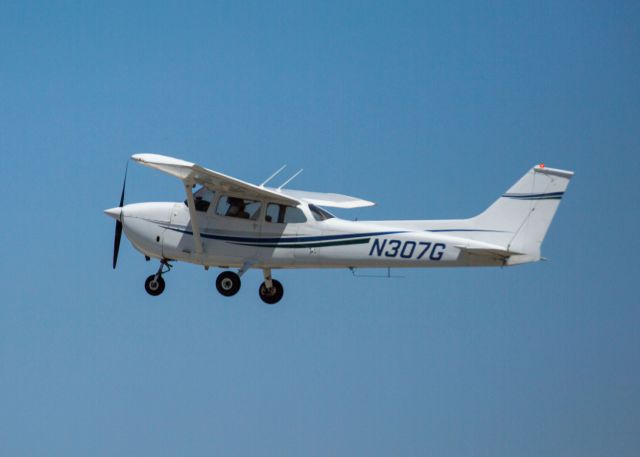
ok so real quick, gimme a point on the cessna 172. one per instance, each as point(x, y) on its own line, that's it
point(230, 223)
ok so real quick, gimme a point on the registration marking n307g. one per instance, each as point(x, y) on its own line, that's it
point(407, 249)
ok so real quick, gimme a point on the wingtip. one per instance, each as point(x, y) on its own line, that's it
point(143, 157)
point(159, 159)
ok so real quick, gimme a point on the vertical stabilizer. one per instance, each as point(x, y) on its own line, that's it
point(520, 218)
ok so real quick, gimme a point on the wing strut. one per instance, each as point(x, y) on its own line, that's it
point(273, 176)
point(194, 219)
point(290, 179)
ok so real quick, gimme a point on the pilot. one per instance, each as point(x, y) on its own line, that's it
point(236, 208)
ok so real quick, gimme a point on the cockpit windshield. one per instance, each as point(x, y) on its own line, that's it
point(320, 214)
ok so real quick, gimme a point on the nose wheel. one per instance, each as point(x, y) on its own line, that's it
point(154, 284)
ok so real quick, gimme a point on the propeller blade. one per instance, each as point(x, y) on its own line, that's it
point(124, 184)
point(116, 243)
point(116, 240)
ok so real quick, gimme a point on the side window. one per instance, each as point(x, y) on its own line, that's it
point(202, 199)
point(294, 215)
point(283, 214)
point(273, 213)
point(238, 207)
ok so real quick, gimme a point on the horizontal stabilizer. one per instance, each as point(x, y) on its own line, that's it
point(495, 253)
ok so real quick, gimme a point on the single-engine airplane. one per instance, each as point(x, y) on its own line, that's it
point(233, 224)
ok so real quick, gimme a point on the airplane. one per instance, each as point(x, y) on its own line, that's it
point(235, 225)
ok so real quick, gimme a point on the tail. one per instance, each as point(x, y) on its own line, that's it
point(520, 218)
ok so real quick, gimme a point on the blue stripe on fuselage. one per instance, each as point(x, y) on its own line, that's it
point(465, 230)
point(284, 240)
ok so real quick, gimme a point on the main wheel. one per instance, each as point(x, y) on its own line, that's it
point(228, 283)
point(154, 286)
point(273, 295)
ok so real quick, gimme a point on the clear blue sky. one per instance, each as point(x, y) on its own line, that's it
point(431, 110)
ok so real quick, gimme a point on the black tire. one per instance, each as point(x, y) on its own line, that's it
point(273, 296)
point(154, 287)
point(228, 283)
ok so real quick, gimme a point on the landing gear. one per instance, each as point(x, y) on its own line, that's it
point(154, 285)
point(273, 295)
point(271, 291)
point(228, 283)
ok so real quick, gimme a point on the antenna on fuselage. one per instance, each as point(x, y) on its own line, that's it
point(290, 179)
point(273, 175)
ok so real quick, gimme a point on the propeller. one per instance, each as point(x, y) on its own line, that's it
point(116, 241)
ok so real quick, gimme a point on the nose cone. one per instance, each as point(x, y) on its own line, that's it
point(113, 212)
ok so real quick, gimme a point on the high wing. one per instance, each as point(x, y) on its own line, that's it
point(191, 173)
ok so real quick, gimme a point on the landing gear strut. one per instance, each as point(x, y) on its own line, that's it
point(271, 291)
point(154, 285)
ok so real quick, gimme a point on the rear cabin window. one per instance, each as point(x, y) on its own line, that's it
point(283, 214)
point(320, 214)
point(238, 207)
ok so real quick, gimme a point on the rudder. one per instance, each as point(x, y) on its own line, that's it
point(520, 218)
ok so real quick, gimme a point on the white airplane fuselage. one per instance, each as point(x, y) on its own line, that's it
point(231, 224)
point(164, 231)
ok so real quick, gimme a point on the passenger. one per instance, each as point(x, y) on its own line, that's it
point(236, 208)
